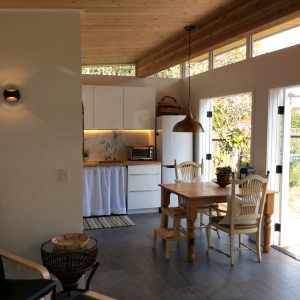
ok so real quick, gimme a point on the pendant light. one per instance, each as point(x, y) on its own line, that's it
point(188, 124)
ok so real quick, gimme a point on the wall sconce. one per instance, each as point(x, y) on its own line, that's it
point(11, 94)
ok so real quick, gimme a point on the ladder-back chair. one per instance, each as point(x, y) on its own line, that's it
point(244, 214)
point(192, 172)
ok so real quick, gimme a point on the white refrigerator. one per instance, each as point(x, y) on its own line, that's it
point(171, 145)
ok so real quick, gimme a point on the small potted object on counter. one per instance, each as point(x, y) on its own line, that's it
point(86, 154)
point(223, 174)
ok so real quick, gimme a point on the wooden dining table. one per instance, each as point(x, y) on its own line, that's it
point(201, 193)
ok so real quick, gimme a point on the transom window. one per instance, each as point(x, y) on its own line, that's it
point(276, 38)
point(279, 37)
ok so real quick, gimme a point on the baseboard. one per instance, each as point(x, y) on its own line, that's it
point(142, 211)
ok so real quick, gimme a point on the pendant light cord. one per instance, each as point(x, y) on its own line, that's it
point(189, 68)
point(188, 124)
point(189, 29)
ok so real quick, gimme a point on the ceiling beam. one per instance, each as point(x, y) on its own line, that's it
point(240, 22)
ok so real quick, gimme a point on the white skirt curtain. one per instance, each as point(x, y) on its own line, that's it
point(104, 190)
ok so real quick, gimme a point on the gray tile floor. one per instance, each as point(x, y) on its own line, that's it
point(131, 269)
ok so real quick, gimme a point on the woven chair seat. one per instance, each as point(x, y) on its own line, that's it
point(217, 219)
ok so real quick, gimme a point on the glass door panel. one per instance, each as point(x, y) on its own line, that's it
point(284, 151)
point(290, 200)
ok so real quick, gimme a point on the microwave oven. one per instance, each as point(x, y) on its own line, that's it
point(140, 152)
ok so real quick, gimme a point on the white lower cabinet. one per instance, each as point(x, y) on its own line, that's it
point(143, 192)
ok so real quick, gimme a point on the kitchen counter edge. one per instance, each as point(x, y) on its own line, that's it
point(122, 163)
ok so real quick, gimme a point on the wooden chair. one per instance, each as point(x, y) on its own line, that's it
point(189, 171)
point(20, 289)
point(244, 214)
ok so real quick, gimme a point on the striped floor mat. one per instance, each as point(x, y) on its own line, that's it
point(106, 222)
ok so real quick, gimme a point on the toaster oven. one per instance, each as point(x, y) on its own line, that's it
point(140, 152)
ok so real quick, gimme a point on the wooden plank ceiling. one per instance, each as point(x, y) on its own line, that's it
point(150, 33)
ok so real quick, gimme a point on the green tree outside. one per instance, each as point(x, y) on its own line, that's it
point(231, 121)
point(110, 70)
point(294, 179)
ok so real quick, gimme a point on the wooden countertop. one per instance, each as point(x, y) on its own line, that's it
point(121, 163)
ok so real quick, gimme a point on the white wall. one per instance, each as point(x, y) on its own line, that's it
point(40, 54)
point(257, 75)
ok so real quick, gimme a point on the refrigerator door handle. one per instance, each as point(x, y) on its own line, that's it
point(169, 166)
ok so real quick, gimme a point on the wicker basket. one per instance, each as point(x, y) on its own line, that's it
point(70, 241)
point(168, 108)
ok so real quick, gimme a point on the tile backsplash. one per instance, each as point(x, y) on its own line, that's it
point(95, 141)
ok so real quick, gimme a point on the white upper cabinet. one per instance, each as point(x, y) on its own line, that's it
point(118, 107)
point(108, 107)
point(139, 108)
point(88, 100)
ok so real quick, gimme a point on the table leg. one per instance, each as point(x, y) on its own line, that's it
point(267, 233)
point(87, 286)
point(165, 201)
point(95, 267)
point(191, 240)
point(191, 211)
point(268, 212)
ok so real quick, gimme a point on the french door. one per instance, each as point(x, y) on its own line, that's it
point(209, 142)
point(284, 163)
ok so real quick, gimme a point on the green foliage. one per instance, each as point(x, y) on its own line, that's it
point(295, 120)
point(294, 149)
point(173, 72)
point(230, 57)
point(196, 68)
point(110, 70)
point(224, 170)
point(86, 153)
point(294, 174)
point(232, 122)
point(258, 48)
point(294, 168)
point(245, 159)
